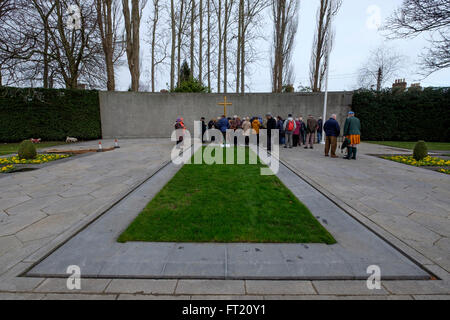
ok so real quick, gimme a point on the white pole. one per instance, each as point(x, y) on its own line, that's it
point(324, 117)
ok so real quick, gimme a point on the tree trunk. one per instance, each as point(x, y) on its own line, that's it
point(192, 36)
point(172, 52)
point(225, 39)
point(180, 32)
point(243, 62)
point(219, 62)
point(136, 44)
point(238, 50)
point(105, 25)
point(200, 54)
point(132, 25)
point(154, 26)
point(45, 56)
point(208, 9)
point(379, 79)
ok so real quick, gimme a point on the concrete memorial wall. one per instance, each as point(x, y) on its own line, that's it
point(152, 115)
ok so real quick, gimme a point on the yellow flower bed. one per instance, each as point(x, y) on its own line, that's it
point(40, 158)
point(446, 171)
point(7, 169)
point(427, 161)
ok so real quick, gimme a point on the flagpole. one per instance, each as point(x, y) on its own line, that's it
point(324, 117)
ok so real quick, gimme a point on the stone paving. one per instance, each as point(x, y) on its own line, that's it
point(42, 209)
point(96, 251)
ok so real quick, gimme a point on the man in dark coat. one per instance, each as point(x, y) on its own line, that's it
point(203, 128)
point(319, 129)
point(271, 125)
point(332, 131)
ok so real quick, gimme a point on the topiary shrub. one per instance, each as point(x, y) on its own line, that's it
point(27, 150)
point(420, 150)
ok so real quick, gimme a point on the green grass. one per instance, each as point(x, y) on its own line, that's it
point(10, 148)
point(225, 203)
point(437, 146)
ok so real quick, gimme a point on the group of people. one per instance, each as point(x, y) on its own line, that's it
point(293, 132)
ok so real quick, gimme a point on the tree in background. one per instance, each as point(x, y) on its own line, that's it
point(158, 42)
point(285, 18)
point(382, 65)
point(432, 17)
point(132, 21)
point(188, 83)
point(323, 42)
point(109, 20)
point(250, 20)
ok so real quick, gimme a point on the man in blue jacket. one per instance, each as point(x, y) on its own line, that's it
point(223, 125)
point(332, 131)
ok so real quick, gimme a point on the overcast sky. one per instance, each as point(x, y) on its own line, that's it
point(356, 36)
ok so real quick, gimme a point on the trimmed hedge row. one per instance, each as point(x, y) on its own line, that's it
point(49, 114)
point(408, 116)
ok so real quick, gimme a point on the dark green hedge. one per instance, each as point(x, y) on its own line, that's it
point(408, 116)
point(49, 114)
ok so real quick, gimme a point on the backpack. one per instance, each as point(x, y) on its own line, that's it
point(290, 126)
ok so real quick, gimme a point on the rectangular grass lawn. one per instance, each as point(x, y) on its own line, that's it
point(225, 203)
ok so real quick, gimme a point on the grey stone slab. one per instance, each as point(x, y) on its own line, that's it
point(48, 226)
point(14, 200)
point(196, 260)
point(67, 296)
point(152, 297)
point(32, 205)
point(9, 225)
point(21, 296)
point(418, 287)
point(227, 297)
point(346, 288)
point(336, 297)
point(57, 285)
point(432, 297)
point(279, 287)
point(142, 286)
point(8, 243)
point(192, 287)
point(67, 205)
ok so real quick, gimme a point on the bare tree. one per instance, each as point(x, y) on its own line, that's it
point(424, 16)
point(132, 21)
point(109, 21)
point(218, 9)
point(158, 42)
point(181, 30)
point(382, 66)
point(285, 18)
point(249, 24)
point(323, 38)
point(192, 45)
point(226, 25)
point(200, 44)
point(208, 35)
point(173, 44)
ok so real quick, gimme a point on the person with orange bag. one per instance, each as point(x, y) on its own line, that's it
point(352, 131)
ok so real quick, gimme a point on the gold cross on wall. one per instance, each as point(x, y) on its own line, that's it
point(225, 104)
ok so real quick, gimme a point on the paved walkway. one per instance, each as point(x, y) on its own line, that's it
point(39, 210)
point(96, 250)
